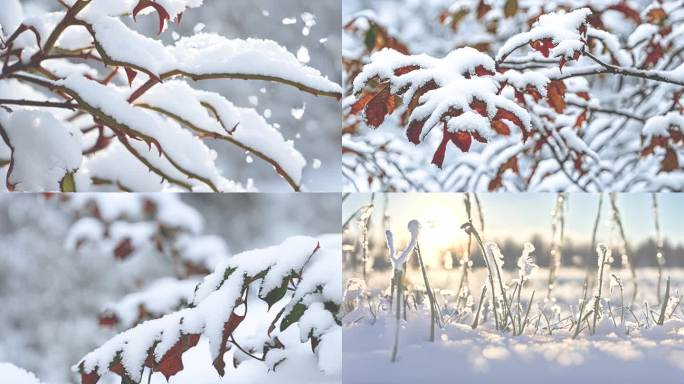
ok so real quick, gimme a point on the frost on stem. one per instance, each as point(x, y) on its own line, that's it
point(119, 111)
point(526, 263)
point(398, 265)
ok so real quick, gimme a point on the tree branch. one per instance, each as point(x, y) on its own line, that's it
point(38, 103)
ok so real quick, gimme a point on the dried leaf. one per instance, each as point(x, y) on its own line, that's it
point(556, 95)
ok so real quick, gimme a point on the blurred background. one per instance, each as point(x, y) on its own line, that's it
point(50, 298)
point(309, 29)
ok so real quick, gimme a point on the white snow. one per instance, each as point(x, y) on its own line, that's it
point(16, 375)
point(43, 150)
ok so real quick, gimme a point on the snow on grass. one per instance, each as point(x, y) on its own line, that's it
point(626, 353)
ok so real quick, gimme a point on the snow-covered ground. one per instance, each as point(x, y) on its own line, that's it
point(483, 355)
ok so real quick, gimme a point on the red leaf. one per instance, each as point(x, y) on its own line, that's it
point(482, 9)
point(581, 119)
point(407, 69)
point(171, 363)
point(479, 106)
point(123, 249)
point(479, 138)
point(163, 14)
point(544, 46)
point(438, 158)
point(482, 71)
point(361, 103)
point(414, 130)
point(108, 319)
point(670, 162)
point(378, 107)
point(502, 114)
point(228, 329)
point(461, 139)
point(130, 74)
point(501, 128)
point(89, 378)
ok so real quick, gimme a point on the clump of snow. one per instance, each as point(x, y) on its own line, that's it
point(43, 150)
point(16, 375)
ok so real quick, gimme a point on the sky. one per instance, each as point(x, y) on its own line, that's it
point(522, 215)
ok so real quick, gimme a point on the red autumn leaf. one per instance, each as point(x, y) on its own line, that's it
point(583, 95)
point(361, 103)
point(532, 91)
point(171, 363)
point(123, 249)
point(479, 138)
point(482, 71)
point(407, 69)
point(556, 95)
point(497, 181)
point(480, 107)
point(161, 12)
point(482, 9)
point(670, 162)
point(414, 130)
point(228, 329)
point(581, 118)
point(654, 53)
point(520, 97)
point(501, 128)
point(544, 46)
point(378, 107)
point(108, 319)
point(461, 139)
point(89, 378)
point(130, 74)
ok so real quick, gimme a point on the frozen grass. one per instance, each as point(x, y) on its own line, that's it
point(627, 345)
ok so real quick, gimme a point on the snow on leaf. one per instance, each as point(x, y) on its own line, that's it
point(161, 343)
point(459, 93)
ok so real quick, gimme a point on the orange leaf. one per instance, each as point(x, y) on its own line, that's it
point(556, 95)
point(501, 128)
point(581, 118)
point(360, 104)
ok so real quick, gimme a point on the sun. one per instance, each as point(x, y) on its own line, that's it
point(441, 217)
